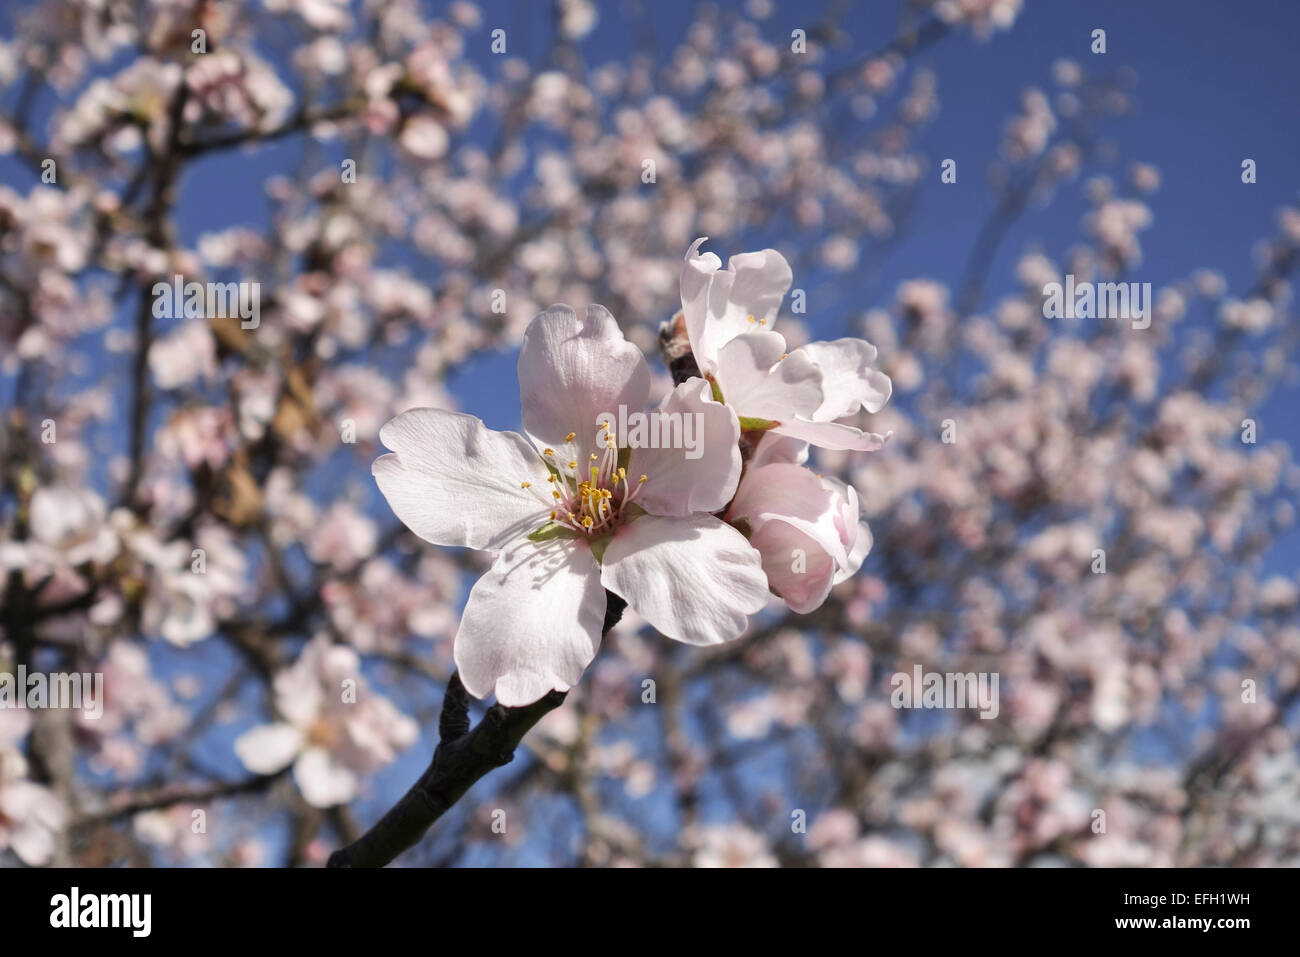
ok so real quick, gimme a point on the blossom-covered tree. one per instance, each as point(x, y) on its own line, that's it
point(282, 532)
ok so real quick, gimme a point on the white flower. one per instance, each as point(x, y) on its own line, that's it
point(729, 314)
point(30, 815)
point(330, 736)
point(571, 513)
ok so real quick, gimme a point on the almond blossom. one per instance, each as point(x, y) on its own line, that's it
point(728, 316)
point(30, 815)
point(332, 728)
point(568, 513)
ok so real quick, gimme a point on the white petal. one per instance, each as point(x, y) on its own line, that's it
point(33, 844)
point(683, 480)
point(832, 435)
point(453, 481)
point(268, 748)
point(323, 781)
point(857, 555)
point(717, 303)
point(571, 373)
point(696, 281)
point(695, 578)
point(532, 623)
point(758, 383)
point(848, 379)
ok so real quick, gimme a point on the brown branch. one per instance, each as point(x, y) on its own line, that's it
point(461, 758)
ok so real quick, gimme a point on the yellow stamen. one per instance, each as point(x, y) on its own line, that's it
point(570, 436)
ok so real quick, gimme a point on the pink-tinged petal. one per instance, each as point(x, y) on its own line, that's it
point(324, 782)
point(30, 803)
point(701, 478)
point(453, 481)
point(298, 693)
point(848, 513)
point(832, 435)
point(773, 448)
point(33, 844)
point(269, 748)
point(718, 304)
point(798, 567)
point(796, 496)
point(857, 555)
point(532, 622)
point(759, 383)
point(848, 380)
point(694, 578)
point(571, 373)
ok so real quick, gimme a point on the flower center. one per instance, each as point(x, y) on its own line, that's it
point(587, 497)
point(323, 733)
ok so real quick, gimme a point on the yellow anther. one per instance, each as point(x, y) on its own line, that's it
point(549, 452)
point(525, 484)
point(586, 521)
point(593, 456)
point(785, 355)
point(555, 494)
point(622, 473)
point(550, 478)
point(570, 437)
point(553, 514)
point(641, 479)
point(605, 424)
point(573, 465)
point(751, 318)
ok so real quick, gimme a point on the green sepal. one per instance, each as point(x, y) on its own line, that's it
point(550, 532)
point(717, 392)
point(751, 424)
